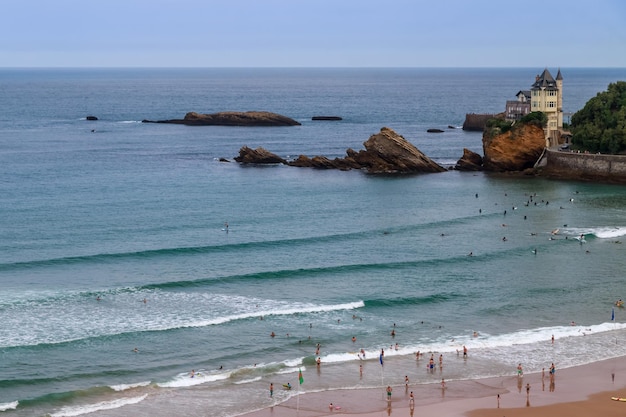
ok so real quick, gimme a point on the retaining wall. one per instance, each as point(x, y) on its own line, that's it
point(583, 165)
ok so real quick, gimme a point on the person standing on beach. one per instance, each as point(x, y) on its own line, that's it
point(520, 371)
point(411, 400)
point(271, 389)
point(464, 352)
point(406, 381)
point(388, 393)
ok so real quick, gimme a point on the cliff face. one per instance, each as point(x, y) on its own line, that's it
point(515, 150)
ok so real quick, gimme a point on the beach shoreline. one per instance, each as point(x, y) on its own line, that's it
point(581, 390)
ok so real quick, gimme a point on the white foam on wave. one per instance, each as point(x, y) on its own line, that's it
point(287, 371)
point(130, 121)
point(608, 233)
point(247, 381)
point(483, 341)
point(186, 380)
point(298, 309)
point(124, 387)
point(601, 232)
point(92, 408)
point(293, 362)
point(121, 314)
point(9, 406)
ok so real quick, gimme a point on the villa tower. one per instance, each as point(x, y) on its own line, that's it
point(547, 97)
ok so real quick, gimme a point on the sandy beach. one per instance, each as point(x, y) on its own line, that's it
point(579, 391)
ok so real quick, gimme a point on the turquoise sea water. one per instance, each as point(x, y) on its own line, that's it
point(94, 223)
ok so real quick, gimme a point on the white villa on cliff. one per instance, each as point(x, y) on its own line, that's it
point(545, 95)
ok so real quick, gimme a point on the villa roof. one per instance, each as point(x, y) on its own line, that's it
point(545, 81)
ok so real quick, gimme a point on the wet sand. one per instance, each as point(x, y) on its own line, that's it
point(579, 391)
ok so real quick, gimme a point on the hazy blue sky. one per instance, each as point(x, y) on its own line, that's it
point(313, 33)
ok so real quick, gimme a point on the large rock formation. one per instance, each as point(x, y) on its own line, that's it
point(388, 152)
point(515, 150)
point(232, 118)
point(385, 153)
point(258, 156)
point(470, 161)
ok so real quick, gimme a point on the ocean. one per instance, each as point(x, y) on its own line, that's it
point(119, 276)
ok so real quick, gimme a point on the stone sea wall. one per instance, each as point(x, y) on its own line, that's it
point(611, 168)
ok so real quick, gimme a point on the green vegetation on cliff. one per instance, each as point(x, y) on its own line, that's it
point(601, 125)
point(497, 126)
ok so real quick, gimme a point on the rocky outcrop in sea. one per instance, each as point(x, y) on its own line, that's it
point(515, 150)
point(231, 118)
point(385, 153)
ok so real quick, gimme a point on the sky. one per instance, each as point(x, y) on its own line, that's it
point(312, 33)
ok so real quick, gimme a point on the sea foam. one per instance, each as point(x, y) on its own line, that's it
point(124, 387)
point(92, 408)
point(9, 406)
